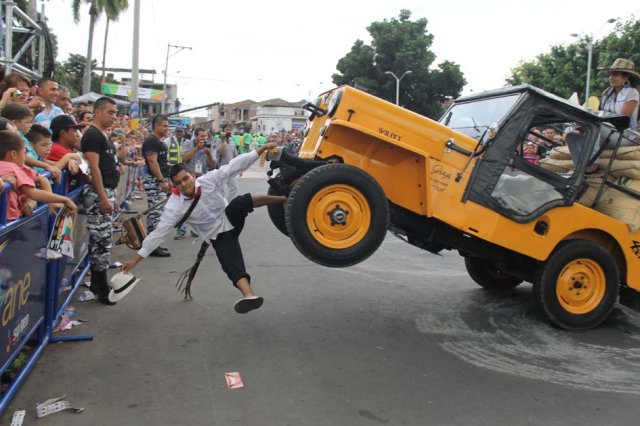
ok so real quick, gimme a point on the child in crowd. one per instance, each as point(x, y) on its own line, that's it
point(21, 117)
point(12, 160)
point(40, 139)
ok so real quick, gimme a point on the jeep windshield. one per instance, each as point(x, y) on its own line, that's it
point(474, 118)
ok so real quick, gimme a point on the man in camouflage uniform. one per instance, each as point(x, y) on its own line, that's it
point(99, 197)
point(156, 182)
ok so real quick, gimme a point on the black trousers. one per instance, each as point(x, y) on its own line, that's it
point(227, 244)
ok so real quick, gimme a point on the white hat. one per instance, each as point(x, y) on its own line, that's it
point(121, 283)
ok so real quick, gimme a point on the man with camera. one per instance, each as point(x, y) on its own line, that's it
point(197, 154)
point(226, 151)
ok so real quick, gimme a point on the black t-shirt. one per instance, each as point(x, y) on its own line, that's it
point(94, 140)
point(153, 145)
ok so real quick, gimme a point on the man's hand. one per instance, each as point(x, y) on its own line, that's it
point(105, 207)
point(266, 146)
point(131, 263)
point(164, 187)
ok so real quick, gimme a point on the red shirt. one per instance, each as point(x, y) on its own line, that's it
point(57, 152)
point(15, 199)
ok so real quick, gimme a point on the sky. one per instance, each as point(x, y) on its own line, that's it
point(259, 50)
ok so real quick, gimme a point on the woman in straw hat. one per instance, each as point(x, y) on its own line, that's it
point(622, 97)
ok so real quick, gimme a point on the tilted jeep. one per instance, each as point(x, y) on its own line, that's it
point(367, 166)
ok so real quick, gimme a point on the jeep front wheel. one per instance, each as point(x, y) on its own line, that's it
point(487, 276)
point(578, 285)
point(337, 215)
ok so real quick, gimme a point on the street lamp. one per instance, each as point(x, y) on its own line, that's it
point(590, 56)
point(166, 65)
point(398, 80)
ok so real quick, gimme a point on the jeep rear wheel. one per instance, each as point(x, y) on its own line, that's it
point(577, 287)
point(487, 276)
point(276, 213)
point(337, 215)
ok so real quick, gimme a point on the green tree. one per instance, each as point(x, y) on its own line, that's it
point(563, 70)
point(111, 8)
point(70, 74)
point(400, 45)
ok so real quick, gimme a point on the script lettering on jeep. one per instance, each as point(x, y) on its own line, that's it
point(439, 178)
point(636, 248)
point(390, 134)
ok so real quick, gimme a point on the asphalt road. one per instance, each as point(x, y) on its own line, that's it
point(404, 338)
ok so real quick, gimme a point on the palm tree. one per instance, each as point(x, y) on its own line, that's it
point(111, 8)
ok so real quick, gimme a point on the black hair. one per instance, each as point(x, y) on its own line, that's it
point(16, 111)
point(44, 80)
point(102, 102)
point(158, 119)
point(37, 133)
point(177, 168)
point(9, 141)
point(4, 124)
point(198, 130)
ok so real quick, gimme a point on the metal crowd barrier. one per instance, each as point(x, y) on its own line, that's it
point(34, 290)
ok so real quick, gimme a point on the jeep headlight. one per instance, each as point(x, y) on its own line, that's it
point(334, 102)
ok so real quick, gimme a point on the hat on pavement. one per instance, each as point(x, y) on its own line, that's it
point(60, 123)
point(122, 283)
point(623, 65)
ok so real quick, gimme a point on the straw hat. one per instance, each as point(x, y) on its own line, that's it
point(623, 65)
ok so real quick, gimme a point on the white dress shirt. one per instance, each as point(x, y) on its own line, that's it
point(208, 218)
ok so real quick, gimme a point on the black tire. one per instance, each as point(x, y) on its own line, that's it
point(487, 276)
point(337, 215)
point(276, 213)
point(578, 285)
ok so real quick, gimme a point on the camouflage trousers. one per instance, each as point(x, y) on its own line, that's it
point(100, 227)
point(154, 196)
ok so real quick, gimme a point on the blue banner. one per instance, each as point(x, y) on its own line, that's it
point(22, 282)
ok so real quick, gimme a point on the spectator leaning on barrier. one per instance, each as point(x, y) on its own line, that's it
point(20, 116)
point(12, 160)
point(156, 182)
point(48, 91)
point(99, 198)
point(65, 133)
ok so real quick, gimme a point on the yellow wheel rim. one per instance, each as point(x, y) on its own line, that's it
point(338, 216)
point(581, 286)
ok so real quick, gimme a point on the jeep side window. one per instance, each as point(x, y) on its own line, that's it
point(537, 174)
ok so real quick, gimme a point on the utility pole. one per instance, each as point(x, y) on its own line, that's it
point(134, 110)
point(166, 66)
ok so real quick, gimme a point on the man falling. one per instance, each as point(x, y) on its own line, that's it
point(212, 219)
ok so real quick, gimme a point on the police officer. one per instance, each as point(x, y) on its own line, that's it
point(174, 143)
point(99, 197)
point(156, 182)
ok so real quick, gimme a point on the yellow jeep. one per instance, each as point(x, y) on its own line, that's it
point(462, 183)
